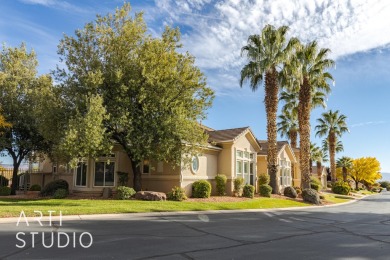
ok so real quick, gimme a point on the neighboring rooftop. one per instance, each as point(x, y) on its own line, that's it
point(225, 135)
point(264, 146)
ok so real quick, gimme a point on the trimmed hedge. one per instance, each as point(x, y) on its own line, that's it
point(220, 183)
point(248, 191)
point(263, 178)
point(341, 187)
point(265, 190)
point(35, 187)
point(177, 194)
point(5, 191)
point(3, 181)
point(60, 194)
point(201, 189)
point(52, 186)
point(238, 185)
point(124, 193)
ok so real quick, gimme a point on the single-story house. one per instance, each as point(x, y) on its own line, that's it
point(233, 152)
point(289, 173)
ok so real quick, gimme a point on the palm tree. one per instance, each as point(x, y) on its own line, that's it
point(307, 75)
point(288, 121)
point(266, 53)
point(333, 125)
point(339, 146)
point(288, 126)
point(345, 163)
point(319, 156)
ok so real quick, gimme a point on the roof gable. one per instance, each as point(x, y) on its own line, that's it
point(231, 135)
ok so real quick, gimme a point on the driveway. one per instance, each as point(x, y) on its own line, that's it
point(359, 230)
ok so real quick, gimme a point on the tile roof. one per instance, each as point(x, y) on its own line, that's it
point(264, 146)
point(225, 135)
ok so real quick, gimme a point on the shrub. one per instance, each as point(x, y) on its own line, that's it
point(248, 191)
point(341, 187)
point(263, 179)
point(123, 178)
point(322, 197)
point(124, 193)
point(5, 191)
point(52, 186)
point(3, 181)
point(311, 196)
point(35, 187)
point(60, 194)
point(388, 188)
point(384, 184)
point(177, 194)
point(265, 190)
point(238, 185)
point(201, 189)
point(315, 183)
point(290, 192)
point(221, 184)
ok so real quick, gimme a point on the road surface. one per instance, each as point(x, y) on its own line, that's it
point(359, 230)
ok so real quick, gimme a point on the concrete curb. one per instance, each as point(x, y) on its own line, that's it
point(126, 216)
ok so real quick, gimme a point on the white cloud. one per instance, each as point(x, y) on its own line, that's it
point(219, 29)
point(63, 5)
point(368, 123)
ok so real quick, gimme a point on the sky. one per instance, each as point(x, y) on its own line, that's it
point(356, 31)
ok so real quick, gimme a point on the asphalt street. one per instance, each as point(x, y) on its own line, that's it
point(359, 230)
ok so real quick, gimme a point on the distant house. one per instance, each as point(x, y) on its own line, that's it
point(289, 171)
point(233, 152)
point(321, 174)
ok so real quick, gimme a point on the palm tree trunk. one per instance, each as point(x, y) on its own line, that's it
point(319, 169)
point(271, 107)
point(344, 174)
point(304, 108)
point(332, 155)
point(293, 138)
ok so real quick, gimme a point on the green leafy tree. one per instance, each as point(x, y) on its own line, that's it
point(345, 163)
point(332, 125)
point(265, 54)
point(153, 94)
point(21, 94)
point(305, 74)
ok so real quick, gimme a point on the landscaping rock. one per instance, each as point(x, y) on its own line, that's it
point(290, 192)
point(150, 195)
point(311, 196)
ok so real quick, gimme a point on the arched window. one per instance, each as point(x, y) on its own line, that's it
point(195, 164)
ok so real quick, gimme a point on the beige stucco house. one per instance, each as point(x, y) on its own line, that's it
point(289, 173)
point(233, 152)
point(321, 174)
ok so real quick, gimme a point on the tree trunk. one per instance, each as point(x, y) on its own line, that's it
point(319, 169)
point(344, 174)
point(356, 184)
point(137, 176)
point(332, 154)
point(16, 164)
point(271, 107)
point(293, 138)
point(304, 109)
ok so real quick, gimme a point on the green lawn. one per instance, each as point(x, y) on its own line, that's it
point(13, 207)
point(334, 198)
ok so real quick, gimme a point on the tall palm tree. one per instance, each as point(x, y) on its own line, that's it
point(332, 125)
point(266, 53)
point(345, 163)
point(288, 126)
point(307, 76)
point(339, 146)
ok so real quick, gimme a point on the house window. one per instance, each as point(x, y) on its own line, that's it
point(239, 168)
point(146, 167)
point(195, 164)
point(285, 177)
point(239, 154)
point(104, 173)
point(81, 174)
point(252, 156)
point(246, 155)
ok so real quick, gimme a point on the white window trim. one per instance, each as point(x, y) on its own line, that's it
point(105, 160)
point(192, 164)
point(86, 177)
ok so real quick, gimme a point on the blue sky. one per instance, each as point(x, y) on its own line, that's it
point(214, 32)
